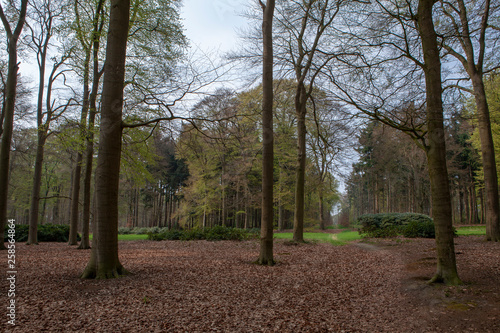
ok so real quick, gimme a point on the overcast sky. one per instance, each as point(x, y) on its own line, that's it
point(213, 24)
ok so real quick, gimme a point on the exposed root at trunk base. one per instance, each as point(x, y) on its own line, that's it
point(492, 239)
point(83, 247)
point(93, 273)
point(449, 281)
point(265, 262)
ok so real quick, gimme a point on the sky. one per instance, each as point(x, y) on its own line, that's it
point(212, 25)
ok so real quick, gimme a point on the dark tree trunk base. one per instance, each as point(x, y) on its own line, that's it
point(448, 278)
point(83, 246)
point(104, 273)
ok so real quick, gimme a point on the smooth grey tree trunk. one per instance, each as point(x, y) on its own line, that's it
point(266, 235)
point(104, 262)
point(436, 150)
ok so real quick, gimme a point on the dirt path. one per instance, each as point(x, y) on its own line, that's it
point(472, 307)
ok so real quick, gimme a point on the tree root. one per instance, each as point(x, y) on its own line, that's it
point(450, 281)
point(94, 273)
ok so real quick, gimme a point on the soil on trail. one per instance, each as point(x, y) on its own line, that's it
point(202, 286)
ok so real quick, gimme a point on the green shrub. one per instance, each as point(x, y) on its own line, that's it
point(124, 231)
point(393, 224)
point(45, 233)
point(21, 234)
point(139, 231)
point(212, 234)
point(173, 234)
point(193, 234)
point(421, 229)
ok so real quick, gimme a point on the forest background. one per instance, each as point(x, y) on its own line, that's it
point(191, 152)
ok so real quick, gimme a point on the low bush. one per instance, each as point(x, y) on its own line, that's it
point(124, 231)
point(423, 229)
point(212, 234)
point(193, 234)
point(45, 233)
point(388, 225)
point(140, 231)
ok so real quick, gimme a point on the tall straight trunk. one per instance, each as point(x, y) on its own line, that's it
point(75, 189)
point(300, 109)
point(104, 262)
point(55, 208)
point(322, 225)
point(266, 231)
point(488, 158)
point(436, 150)
point(87, 181)
point(89, 137)
point(467, 204)
point(461, 204)
point(8, 111)
point(475, 70)
point(42, 127)
point(473, 203)
point(35, 192)
point(246, 222)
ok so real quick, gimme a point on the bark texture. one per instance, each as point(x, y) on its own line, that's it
point(436, 150)
point(266, 237)
point(300, 109)
point(77, 174)
point(89, 139)
point(104, 262)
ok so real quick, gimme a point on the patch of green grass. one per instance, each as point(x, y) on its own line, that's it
point(335, 239)
point(471, 230)
point(349, 236)
point(130, 237)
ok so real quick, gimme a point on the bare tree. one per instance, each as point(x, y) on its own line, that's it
point(44, 18)
point(396, 46)
point(8, 109)
point(436, 149)
point(88, 32)
point(466, 38)
point(303, 31)
point(97, 28)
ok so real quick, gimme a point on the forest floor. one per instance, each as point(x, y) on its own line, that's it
point(200, 286)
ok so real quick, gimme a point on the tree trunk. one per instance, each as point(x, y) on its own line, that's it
point(461, 204)
point(436, 150)
point(87, 181)
point(488, 159)
point(37, 182)
point(473, 202)
point(75, 193)
point(322, 225)
point(266, 234)
point(300, 107)
point(104, 262)
point(8, 112)
point(89, 138)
